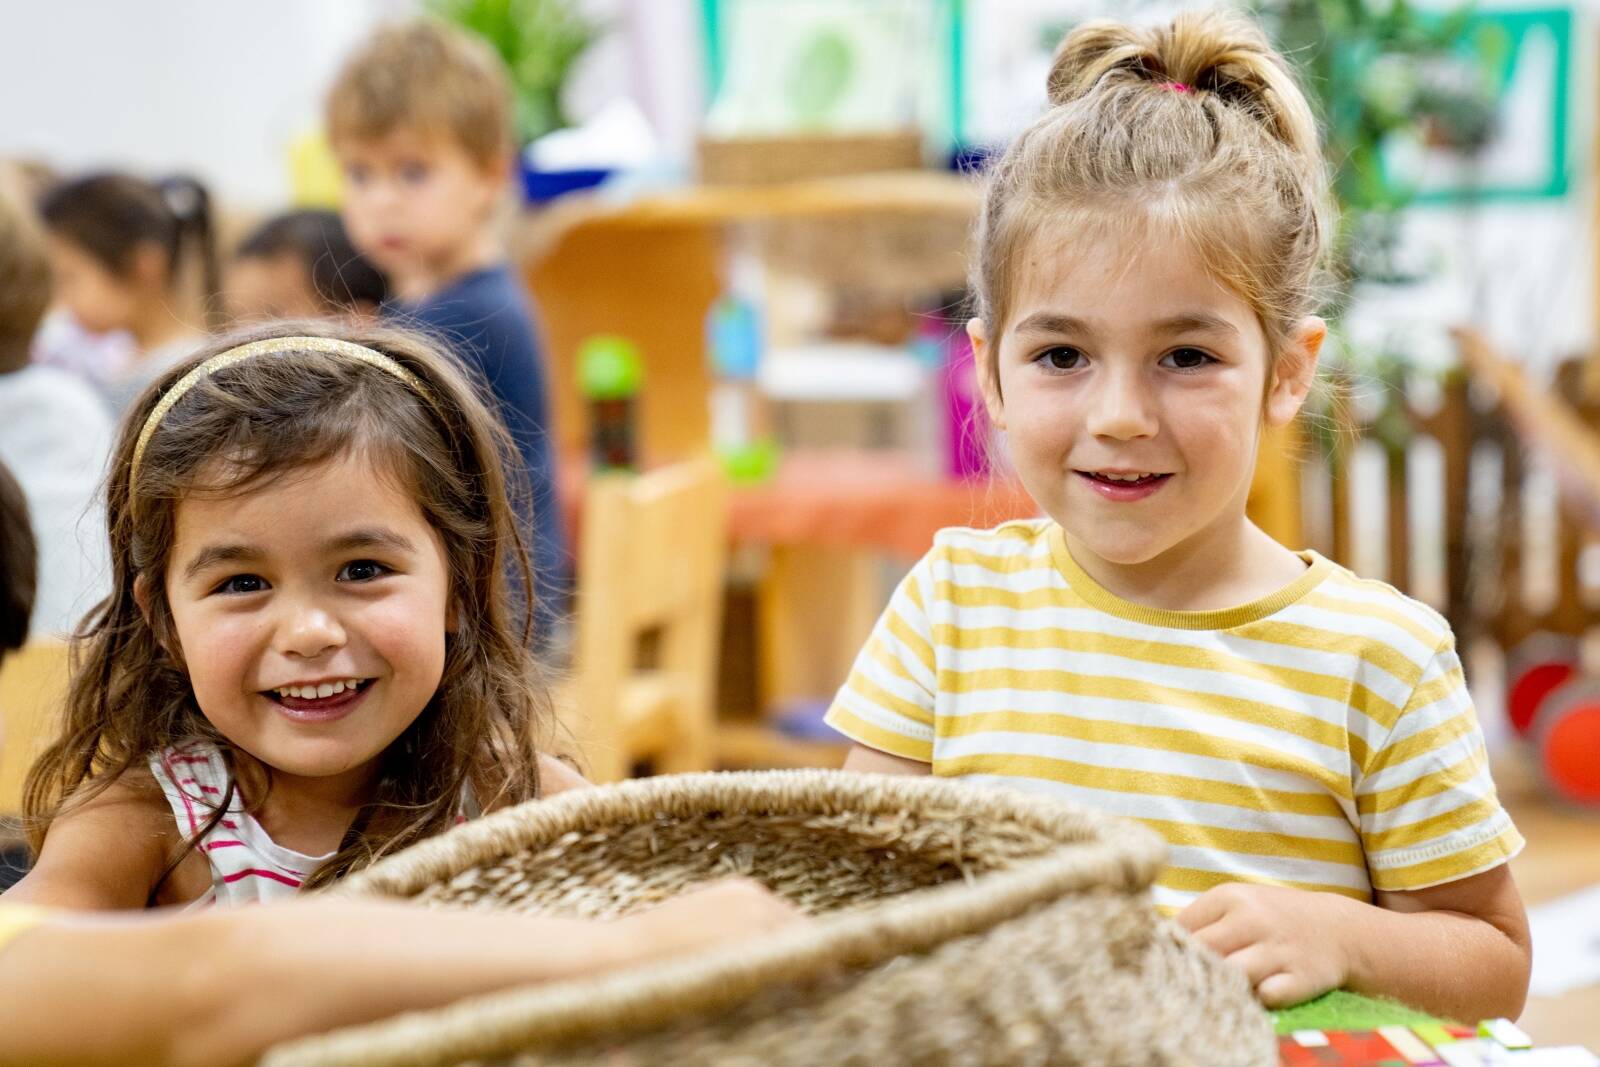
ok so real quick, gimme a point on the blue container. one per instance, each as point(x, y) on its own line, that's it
point(542, 186)
point(733, 335)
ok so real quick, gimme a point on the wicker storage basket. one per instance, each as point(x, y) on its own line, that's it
point(955, 925)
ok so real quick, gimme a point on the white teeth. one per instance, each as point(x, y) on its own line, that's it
point(317, 692)
point(1124, 477)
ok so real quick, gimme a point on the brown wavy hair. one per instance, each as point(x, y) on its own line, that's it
point(426, 76)
point(1198, 126)
point(130, 695)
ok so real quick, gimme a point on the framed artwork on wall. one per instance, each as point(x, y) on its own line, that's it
point(835, 66)
point(1524, 55)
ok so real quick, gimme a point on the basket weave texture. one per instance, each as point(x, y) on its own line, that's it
point(953, 925)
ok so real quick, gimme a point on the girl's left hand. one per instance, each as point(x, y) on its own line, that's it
point(1290, 943)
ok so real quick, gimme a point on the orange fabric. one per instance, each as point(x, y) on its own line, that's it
point(849, 499)
point(866, 500)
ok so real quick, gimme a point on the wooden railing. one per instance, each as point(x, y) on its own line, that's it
point(1498, 541)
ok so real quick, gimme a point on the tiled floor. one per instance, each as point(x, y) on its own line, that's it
point(1562, 856)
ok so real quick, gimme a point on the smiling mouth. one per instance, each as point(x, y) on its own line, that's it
point(328, 698)
point(1124, 480)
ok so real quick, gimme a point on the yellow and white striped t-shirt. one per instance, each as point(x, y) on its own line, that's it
point(1320, 738)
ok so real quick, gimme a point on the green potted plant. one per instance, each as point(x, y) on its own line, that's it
point(1376, 72)
point(539, 40)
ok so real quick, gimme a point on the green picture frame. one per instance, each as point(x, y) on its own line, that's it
point(949, 17)
point(1505, 38)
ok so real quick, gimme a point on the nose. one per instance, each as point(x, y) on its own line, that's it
point(379, 203)
point(1122, 408)
point(307, 630)
point(375, 196)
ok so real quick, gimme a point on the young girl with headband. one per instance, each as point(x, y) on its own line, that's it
point(1302, 737)
point(308, 658)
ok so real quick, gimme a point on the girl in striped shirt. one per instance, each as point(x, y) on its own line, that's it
point(309, 657)
point(1303, 738)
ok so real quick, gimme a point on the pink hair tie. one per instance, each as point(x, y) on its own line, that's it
point(1177, 87)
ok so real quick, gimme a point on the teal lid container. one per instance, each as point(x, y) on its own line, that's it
point(733, 337)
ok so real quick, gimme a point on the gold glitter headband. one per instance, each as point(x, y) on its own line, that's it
point(327, 345)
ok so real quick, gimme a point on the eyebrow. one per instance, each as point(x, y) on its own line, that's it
point(366, 537)
point(212, 555)
point(1184, 322)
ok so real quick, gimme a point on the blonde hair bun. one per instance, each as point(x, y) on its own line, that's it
point(1213, 52)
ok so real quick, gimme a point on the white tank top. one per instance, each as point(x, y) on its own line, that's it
point(247, 866)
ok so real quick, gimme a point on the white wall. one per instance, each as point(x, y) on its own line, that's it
point(214, 87)
point(220, 88)
point(653, 54)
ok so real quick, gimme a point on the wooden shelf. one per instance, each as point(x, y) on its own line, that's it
point(649, 268)
point(890, 193)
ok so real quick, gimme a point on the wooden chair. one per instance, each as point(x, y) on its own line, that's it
point(652, 555)
point(33, 688)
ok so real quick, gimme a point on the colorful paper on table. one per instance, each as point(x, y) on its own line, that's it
point(1506, 1032)
point(1346, 1020)
point(1344, 1049)
point(1409, 1045)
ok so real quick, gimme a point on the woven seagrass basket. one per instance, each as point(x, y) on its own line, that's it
point(954, 925)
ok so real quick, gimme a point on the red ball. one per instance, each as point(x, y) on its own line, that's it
point(1530, 689)
point(1570, 749)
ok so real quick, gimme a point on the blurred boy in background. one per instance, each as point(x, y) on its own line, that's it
point(420, 120)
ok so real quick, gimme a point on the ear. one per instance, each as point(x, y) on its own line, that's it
point(500, 167)
point(984, 355)
point(141, 597)
point(1296, 370)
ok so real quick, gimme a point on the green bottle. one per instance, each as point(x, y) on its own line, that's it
point(610, 375)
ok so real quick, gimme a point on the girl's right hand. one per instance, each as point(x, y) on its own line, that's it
point(727, 910)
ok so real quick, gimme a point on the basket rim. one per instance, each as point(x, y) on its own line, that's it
point(1105, 851)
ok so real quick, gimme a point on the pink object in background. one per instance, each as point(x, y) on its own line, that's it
point(966, 421)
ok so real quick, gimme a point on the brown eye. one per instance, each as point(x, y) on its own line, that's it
point(361, 570)
point(242, 583)
point(1189, 358)
point(1062, 358)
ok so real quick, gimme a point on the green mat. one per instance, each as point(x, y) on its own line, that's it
point(1340, 1010)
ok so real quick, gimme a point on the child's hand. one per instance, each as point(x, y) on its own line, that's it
point(1290, 943)
point(731, 909)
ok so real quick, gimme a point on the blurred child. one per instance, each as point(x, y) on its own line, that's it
point(307, 659)
point(125, 252)
point(60, 341)
point(19, 572)
point(18, 577)
point(420, 120)
point(55, 436)
point(301, 265)
point(1303, 738)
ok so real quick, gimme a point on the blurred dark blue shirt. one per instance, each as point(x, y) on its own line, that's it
point(487, 321)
